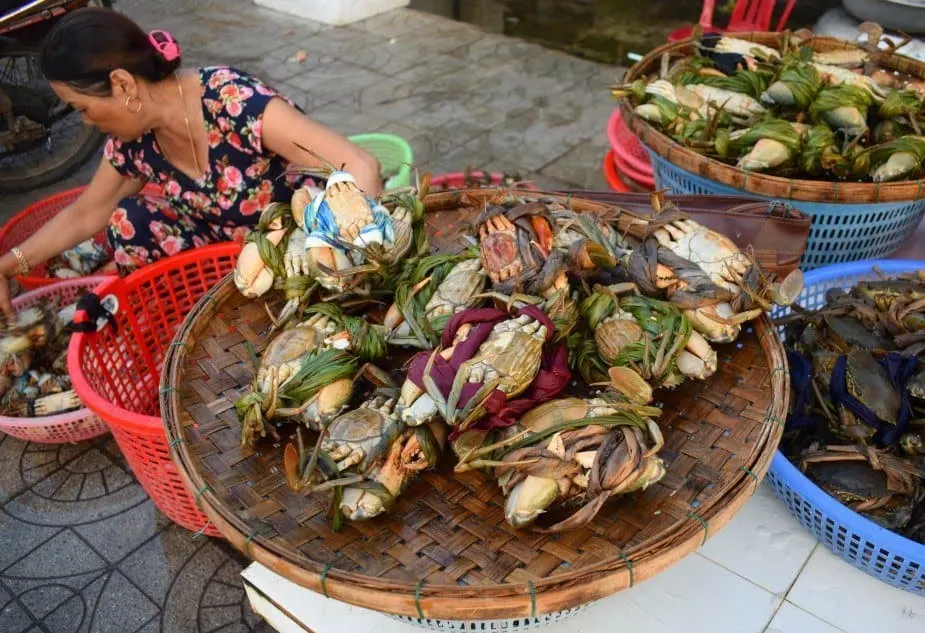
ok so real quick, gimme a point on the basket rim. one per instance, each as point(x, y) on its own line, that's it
point(129, 420)
point(804, 190)
point(629, 160)
point(542, 596)
point(90, 282)
point(612, 175)
point(800, 483)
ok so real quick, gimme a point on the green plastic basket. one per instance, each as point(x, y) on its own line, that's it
point(394, 154)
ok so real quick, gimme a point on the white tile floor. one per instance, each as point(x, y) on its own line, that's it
point(763, 573)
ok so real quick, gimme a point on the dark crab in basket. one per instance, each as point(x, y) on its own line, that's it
point(574, 453)
point(859, 386)
point(887, 314)
point(367, 456)
point(881, 486)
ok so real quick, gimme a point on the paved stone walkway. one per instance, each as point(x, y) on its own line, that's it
point(82, 549)
point(458, 95)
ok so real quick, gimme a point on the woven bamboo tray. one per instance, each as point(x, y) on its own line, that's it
point(445, 551)
point(757, 183)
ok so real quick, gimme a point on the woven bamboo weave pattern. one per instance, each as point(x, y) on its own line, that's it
point(445, 549)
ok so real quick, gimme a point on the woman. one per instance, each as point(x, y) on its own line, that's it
point(217, 140)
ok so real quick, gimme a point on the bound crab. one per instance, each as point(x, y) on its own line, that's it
point(647, 335)
point(367, 456)
point(575, 452)
point(429, 291)
point(489, 357)
point(881, 486)
point(307, 371)
point(520, 252)
point(703, 272)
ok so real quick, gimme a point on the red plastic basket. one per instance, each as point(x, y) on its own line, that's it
point(629, 151)
point(612, 175)
point(29, 220)
point(73, 426)
point(116, 372)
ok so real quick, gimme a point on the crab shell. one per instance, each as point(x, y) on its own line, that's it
point(289, 348)
point(361, 437)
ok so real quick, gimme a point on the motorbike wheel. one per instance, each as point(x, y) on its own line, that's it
point(67, 144)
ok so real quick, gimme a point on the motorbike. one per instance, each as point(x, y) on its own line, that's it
point(42, 139)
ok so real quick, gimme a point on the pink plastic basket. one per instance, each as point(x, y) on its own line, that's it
point(66, 427)
point(633, 157)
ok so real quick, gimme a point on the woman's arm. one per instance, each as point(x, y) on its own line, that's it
point(283, 126)
point(85, 217)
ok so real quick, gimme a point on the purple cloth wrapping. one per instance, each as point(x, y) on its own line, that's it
point(551, 379)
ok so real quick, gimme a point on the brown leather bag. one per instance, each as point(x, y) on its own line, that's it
point(776, 232)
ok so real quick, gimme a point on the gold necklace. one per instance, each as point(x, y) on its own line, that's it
point(200, 174)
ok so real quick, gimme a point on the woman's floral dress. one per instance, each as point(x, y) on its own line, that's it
point(243, 177)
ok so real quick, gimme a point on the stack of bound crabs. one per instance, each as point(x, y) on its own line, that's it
point(791, 111)
point(33, 362)
point(857, 421)
point(531, 351)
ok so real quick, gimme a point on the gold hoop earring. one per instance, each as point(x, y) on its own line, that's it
point(128, 100)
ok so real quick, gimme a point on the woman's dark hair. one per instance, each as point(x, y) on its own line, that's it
point(85, 46)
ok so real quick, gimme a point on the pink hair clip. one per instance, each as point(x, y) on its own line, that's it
point(163, 43)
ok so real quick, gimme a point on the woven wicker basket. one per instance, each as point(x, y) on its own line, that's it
point(445, 552)
point(763, 184)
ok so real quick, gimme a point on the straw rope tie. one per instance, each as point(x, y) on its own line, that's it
point(568, 201)
point(165, 390)
point(918, 191)
point(324, 579)
point(417, 598)
point(180, 344)
point(176, 442)
point(835, 189)
point(532, 588)
point(789, 189)
point(201, 532)
point(778, 369)
point(629, 566)
point(199, 493)
point(751, 474)
point(247, 544)
point(702, 522)
point(776, 420)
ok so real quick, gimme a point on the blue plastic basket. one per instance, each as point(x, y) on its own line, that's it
point(895, 560)
point(839, 232)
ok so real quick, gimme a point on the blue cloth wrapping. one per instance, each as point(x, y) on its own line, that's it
point(322, 229)
point(900, 370)
point(801, 381)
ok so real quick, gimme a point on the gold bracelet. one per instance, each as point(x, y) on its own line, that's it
point(23, 264)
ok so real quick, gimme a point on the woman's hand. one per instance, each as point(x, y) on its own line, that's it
point(284, 126)
point(82, 219)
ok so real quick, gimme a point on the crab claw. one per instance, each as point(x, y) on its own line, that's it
point(251, 274)
point(529, 499)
